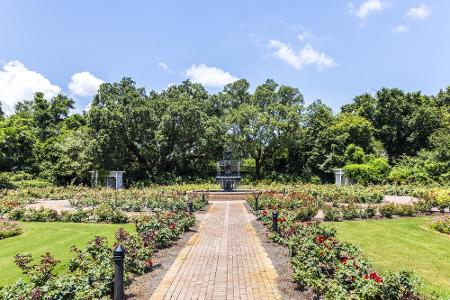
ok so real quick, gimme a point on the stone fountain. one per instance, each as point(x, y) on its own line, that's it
point(228, 172)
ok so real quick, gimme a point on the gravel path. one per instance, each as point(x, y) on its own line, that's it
point(57, 205)
point(279, 256)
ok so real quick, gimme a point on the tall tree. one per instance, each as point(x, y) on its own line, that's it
point(47, 115)
point(185, 135)
point(17, 144)
point(318, 118)
point(263, 126)
point(123, 125)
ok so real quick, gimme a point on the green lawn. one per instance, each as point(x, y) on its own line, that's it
point(403, 244)
point(56, 238)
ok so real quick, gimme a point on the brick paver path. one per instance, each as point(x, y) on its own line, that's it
point(223, 260)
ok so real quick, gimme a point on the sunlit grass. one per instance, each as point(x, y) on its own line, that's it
point(56, 238)
point(403, 244)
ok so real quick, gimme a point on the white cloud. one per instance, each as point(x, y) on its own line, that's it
point(18, 83)
point(400, 29)
point(368, 7)
point(87, 107)
point(306, 56)
point(419, 13)
point(84, 84)
point(209, 76)
point(302, 37)
point(163, 66)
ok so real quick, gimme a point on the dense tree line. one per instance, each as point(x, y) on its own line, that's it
point(181, 131)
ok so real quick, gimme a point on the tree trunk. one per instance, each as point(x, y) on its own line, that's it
point(134, 149)
point(257, 169)
point(258, 164)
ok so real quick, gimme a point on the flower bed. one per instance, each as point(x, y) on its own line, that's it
point(332, 269)
point(127, 199)
point(102, 210)
point(304, 206)
point(9, 229)
point(90, 271)
point(441, 224)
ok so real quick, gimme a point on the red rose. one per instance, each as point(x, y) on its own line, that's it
point(344, 260)
point(173, 226)
point(149, 263)
point(374, 276)
point(320, 239)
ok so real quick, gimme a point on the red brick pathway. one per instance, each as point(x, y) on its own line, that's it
point(223, 260)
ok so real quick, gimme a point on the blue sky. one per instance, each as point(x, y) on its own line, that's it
point(331, 50)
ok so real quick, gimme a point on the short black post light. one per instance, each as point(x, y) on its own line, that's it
point(284, 191)
point(257, 195)
point(275, 221)
point(203, 198)
point(190, 207)
point(118, 255)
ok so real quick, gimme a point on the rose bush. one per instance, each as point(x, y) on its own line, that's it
point(9, 229)
point(329, 268)
point(441, 224)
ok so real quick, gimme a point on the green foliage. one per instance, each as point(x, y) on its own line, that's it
point(9, 228)
point(17, 140)
point(337, 270)
point(90, 271)
point(441, 224)
point(65, 159)
point(177, 134)
point(263, 124)
point(374, 171)
point(354, 155)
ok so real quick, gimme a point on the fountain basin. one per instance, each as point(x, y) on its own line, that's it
point(219, 195)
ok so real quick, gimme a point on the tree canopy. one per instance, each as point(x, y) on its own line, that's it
point(179, 132)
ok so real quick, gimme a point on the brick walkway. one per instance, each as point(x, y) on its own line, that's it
point(223, 260)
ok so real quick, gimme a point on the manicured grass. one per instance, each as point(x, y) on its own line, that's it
point(403, 244)
point(56, 238)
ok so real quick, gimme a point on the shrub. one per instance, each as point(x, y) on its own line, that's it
point(369, 212)
point(388, 210)
point(439, 198)
point(41, 214)
point(76, 216)
point(405, 210)
point(106, 213)
point(333, 214)
point(9, 229)
point(375, 171)
point(16, 214)
point(336, 270)
point(441, 224)
point(90, 271)
point(350, 212)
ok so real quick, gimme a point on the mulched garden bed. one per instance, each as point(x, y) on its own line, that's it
point(279, 255)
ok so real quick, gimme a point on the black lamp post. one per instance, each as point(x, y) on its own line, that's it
point(275, 221)
point(118, 255)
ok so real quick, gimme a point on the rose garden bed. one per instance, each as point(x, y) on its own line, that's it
point(86, 271)
point(327, 267)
